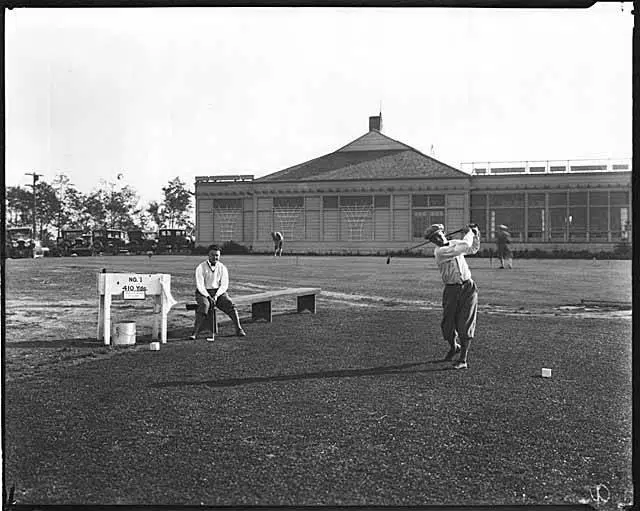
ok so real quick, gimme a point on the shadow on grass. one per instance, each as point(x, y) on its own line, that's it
point(82, 342)
point(87, 342)
point(341, 373)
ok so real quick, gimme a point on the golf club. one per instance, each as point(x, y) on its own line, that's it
point(425, 242)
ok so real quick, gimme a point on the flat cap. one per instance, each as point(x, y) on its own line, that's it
point(428, 234)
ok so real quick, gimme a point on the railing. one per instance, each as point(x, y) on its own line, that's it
point(224, 179)
point(486, 168)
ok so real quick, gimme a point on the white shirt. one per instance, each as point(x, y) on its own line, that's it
point(450, 258)
point(212, 277)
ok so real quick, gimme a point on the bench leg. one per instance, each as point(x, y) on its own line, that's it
point(100, 316)
point(261, 310)
point(307, 302)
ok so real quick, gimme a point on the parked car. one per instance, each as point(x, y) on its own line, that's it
point(141, 242)
point(75, 241)
point(174, 241)
point(109, 241)
point(19, 242)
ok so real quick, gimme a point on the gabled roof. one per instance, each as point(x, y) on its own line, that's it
point(371, 156)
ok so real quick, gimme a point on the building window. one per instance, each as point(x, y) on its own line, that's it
point(479, 217)
point(427, 201)
point(620, 222)
point(426, 210)
point(478, 200)
point(382, 201)
point(227, 203)
point(558, 199)
point(356, 216)
point(330, 202)
point(478, 211)
point(599, 216)
point(513, 218)
point(288, 202)
point(599, 223)
point(577, 198)
point(535, 223)
point(507, 200)
point(577, 223)
point(619, 199)
point(422, 219)
point(599, 198)
point(558, 224)
point(508, 209)
point(288, 217)
point(227, 215)
point(356, 200)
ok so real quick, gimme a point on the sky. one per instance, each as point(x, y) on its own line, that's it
point(159, 93)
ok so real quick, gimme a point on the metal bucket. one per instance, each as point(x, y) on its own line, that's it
point(125, 333)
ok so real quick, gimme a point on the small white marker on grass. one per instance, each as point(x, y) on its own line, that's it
point(154, 346)
point(546, 372)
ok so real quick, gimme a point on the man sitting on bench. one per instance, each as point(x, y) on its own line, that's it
point(212, 282)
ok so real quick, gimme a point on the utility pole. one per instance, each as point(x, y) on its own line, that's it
point(35, 180)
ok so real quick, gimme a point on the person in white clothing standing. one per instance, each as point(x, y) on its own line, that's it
point(460, 295)
point(212, 282)
point(278, 242)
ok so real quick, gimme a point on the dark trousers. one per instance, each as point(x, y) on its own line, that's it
point(460, 309)
point(204, 310)
point(223, 303)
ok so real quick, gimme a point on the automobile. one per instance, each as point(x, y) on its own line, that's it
point(110, 241)
point(75, 241)
point(19, 242)
point(174, 241)
point(141, 242)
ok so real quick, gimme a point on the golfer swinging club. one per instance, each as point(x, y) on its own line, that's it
point(460, 295)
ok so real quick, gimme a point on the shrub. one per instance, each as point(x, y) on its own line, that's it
point(231, 247)
point(228, 248)
point(622, 250)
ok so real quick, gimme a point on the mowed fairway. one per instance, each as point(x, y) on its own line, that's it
point(350, 406)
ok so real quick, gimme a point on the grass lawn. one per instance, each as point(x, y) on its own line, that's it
point(352, 405)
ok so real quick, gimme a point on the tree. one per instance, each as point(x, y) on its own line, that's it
point(19, 206)
point(93, 210)
point(79, 214)
point(113, 208)
point(156, 212)
point(175, 210)
point(65, 193)
point(47, 208)
point(121, 206)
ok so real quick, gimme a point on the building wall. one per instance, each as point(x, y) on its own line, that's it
point(375, 217)
point(569, 209)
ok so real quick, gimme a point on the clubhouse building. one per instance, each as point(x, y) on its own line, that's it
point(377, 194)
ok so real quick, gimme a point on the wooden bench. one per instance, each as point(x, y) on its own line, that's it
point(261, 302)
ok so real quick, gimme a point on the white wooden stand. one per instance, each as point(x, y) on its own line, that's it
point(134, 286)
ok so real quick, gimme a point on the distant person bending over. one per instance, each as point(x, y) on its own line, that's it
point(278, 242)
point(212, 282)
point(503, 240)
point(460, 295)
